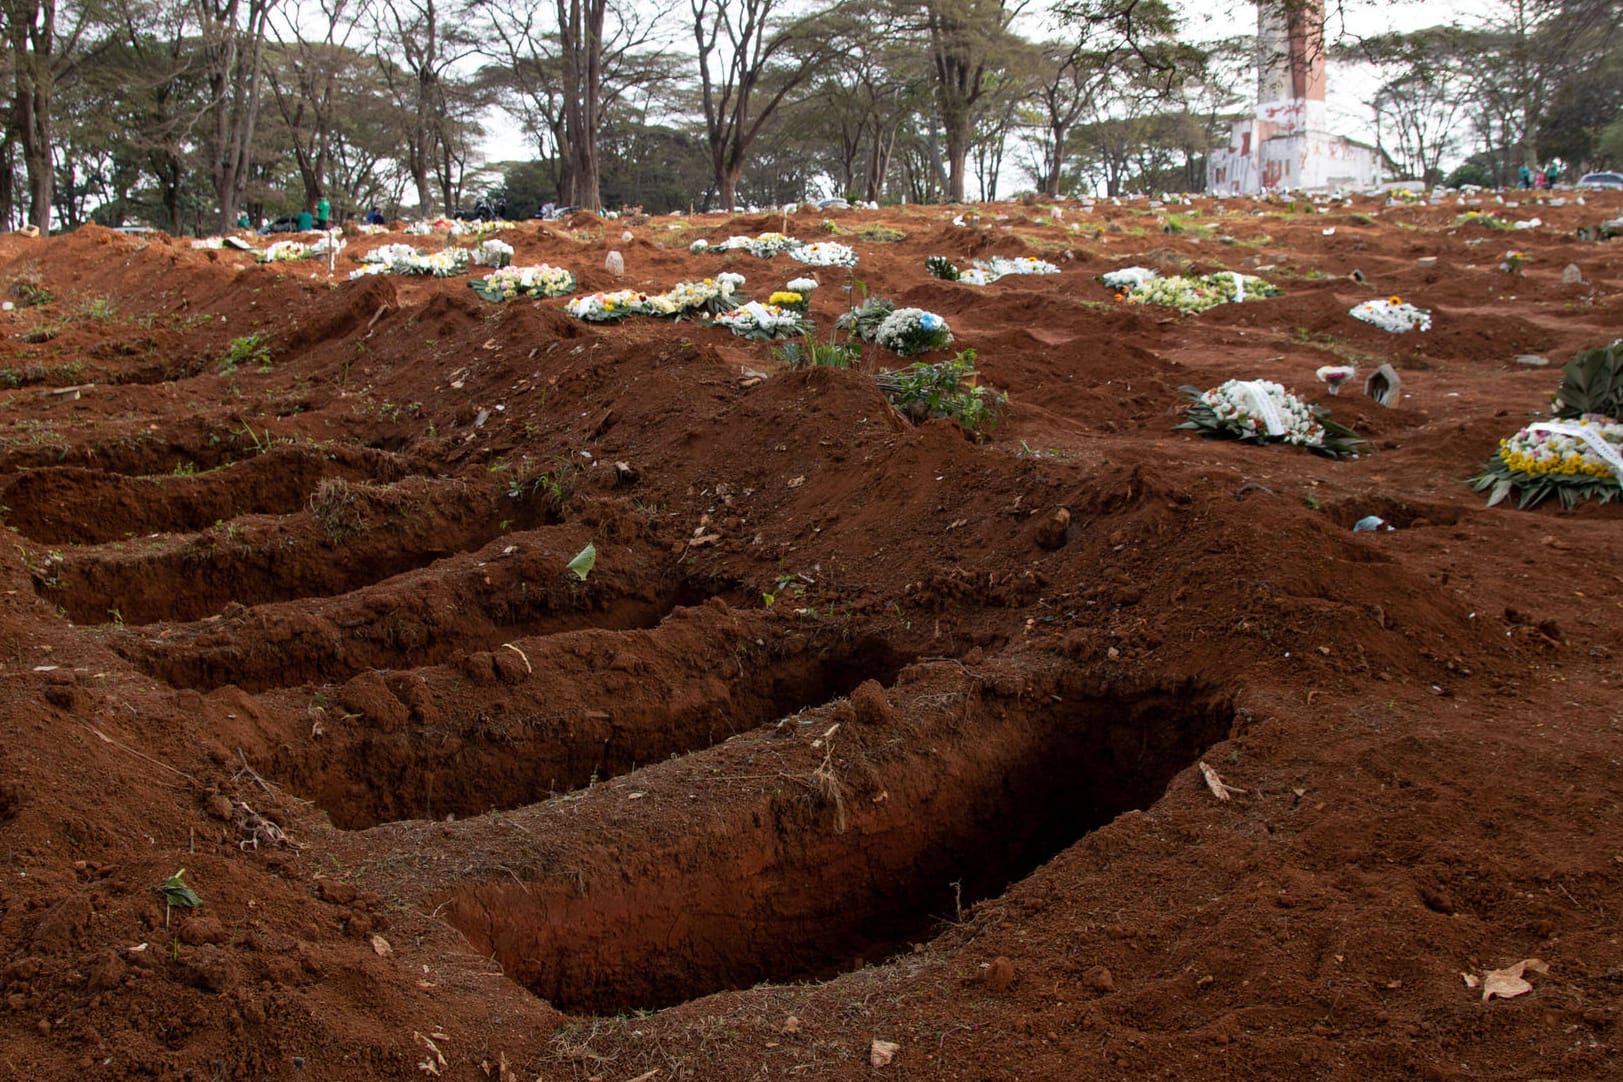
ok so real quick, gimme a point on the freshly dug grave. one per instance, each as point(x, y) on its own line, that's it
point(862, 740)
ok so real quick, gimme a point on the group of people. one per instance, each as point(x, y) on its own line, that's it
point(1543, 177)
point(320, 219)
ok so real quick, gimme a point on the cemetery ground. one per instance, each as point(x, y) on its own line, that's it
point(866, 748)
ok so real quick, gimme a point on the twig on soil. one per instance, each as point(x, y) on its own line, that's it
point(139, 755)
point(521, 884)
point(1220, 790)
point(971, 1028)
point(645, 1076)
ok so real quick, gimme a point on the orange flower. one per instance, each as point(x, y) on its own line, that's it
point(1394, 299)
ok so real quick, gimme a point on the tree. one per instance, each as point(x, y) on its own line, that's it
point(367, 145)
point(969, 46)
point(1104, 50)
point(146, 90)
point(419, 46)
point(1517, 63)
point(41, 56)
point(566, 74)
point(308, 78)
point(872, 81)
point(739, 43)
point(233, 38)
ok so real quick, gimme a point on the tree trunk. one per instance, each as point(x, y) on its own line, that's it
point(36, 139)
point(884, 146)
point(1056, 160)
point(419, 178)
point(580, 26)
point(957, 150)
point(233, 79)
point(8, 191)
point(32, 32)
point(169, 181)
point(727, 186)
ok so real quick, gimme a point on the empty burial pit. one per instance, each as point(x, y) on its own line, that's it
point(76, 505)
point(952, 801)
point(491, 734)
point(516, 587)
point(346, 537)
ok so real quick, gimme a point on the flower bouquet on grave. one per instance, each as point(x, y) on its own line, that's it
point(939, 266)
point(1191, 295)
point(1573, 460)
point(864, 320)
point(910, 331)
point(998, 266)
point(1127, 279)
point(285, 251)
point(493, 253)
point(445, 263)
point(1261, 411)
point(767, 245)
point(712, 296)
point(388, 253)
point(1392, 315)
point(790, 300)
point(508, 283)
point(823, 253)
point(1577, 454)
point(608, 307)
point(764, 321)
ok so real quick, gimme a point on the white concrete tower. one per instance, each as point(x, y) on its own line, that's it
point(1287, 144)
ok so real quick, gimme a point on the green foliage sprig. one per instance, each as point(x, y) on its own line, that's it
point(1592, 382)
point(944, 389)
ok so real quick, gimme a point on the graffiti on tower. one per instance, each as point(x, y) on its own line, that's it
point(1287, 144)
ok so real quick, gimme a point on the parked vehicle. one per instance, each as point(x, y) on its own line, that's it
point(287, 223)
point(1601, 180)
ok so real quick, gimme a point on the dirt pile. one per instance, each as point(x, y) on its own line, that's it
point(858, 730)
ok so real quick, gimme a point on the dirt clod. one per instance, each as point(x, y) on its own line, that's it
point(999, 975)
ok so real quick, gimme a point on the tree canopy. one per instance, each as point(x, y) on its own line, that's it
point(192, 114)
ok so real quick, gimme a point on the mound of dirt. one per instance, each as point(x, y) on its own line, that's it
point(1081, 747)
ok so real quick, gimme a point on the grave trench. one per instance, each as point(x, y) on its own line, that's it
point(91, 505)
point(486, 746)
point(429, 616)
point(780, 897)
point(270, 559)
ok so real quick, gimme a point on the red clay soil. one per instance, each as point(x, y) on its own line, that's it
point(858, 731)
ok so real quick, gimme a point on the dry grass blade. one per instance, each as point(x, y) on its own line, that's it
point(528, 668)
point(1219, 788)
point(259, 830)
point(829, 786)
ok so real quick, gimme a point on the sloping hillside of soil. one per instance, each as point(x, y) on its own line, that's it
point(863, 741)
